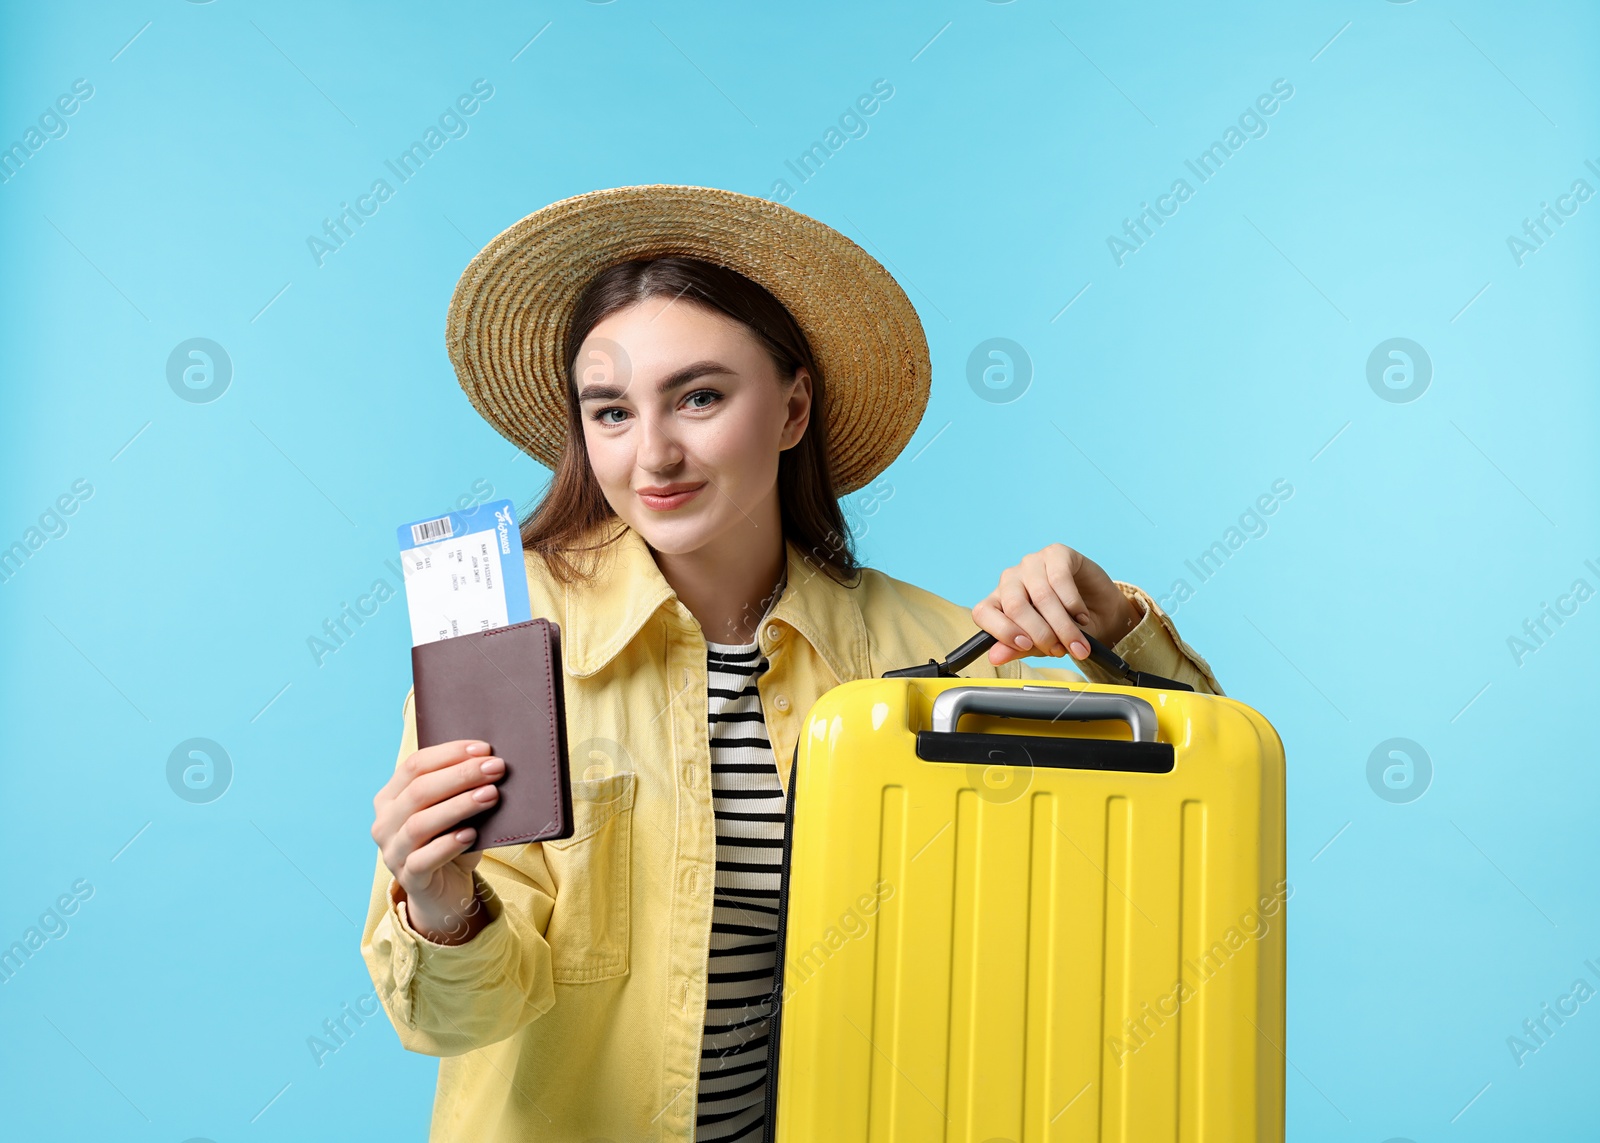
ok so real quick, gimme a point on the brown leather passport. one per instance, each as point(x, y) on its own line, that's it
point(503, 686)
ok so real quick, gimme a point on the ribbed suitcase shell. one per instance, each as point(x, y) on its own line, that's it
point(1079, 955)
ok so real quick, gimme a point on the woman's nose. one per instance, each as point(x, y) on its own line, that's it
point(658, 448)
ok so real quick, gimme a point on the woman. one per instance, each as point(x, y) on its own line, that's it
point(706, 373)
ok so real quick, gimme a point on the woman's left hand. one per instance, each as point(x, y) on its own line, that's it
point(1045, 603)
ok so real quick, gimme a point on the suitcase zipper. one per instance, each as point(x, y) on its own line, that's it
point(770, 1132)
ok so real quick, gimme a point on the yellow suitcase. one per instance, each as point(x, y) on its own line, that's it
point(1061, 919)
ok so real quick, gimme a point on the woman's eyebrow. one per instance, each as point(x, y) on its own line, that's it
point(668, 383)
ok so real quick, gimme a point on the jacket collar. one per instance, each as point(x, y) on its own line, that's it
point(606, 612)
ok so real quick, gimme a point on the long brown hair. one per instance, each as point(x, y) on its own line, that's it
point(574, 503)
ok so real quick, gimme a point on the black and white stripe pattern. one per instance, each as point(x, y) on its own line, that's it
point(749, 806)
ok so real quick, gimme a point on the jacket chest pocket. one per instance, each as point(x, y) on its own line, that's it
point(588, 929)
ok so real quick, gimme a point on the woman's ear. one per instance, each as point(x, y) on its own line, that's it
point(799, 410)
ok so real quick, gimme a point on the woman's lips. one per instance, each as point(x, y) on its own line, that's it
point(666, 503)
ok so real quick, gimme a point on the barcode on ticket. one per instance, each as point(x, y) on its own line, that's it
point(429, 531)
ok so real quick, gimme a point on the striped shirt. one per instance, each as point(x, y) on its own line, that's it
point(749, 806)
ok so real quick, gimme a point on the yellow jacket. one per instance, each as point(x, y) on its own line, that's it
point(577, 1013)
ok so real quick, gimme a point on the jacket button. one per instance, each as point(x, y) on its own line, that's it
point(781, 702)
point(404, 965)
point(773, 632)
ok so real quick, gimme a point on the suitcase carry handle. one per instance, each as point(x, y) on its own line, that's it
point(1048, 703)
point(982, 641)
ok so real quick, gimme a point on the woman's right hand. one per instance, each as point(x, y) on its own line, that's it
point(414, 820)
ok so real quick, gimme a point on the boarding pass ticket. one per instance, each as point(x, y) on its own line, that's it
point(464, 572)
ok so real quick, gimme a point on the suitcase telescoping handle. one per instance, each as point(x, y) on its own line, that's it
point(1048, 703)
point(942, 742)
point(982, 641)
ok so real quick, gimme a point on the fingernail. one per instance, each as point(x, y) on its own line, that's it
point(477, 748)
point(1024, 642)
point(492, 766)
point(1080, 651)
point(484, 794)
point(464, 834)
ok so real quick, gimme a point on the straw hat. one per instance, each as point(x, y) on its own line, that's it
point(507, 326)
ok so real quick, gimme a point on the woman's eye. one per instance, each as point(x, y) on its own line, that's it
point(600, 415)
point(712, 393)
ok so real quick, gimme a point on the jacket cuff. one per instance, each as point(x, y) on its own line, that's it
point(1153, 645)
point(415, 957)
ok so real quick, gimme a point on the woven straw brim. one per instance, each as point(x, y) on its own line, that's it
point(507, 326)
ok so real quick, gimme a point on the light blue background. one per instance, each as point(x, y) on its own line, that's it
point(1229, 352)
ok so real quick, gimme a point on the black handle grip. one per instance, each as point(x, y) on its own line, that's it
point(982, 641)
